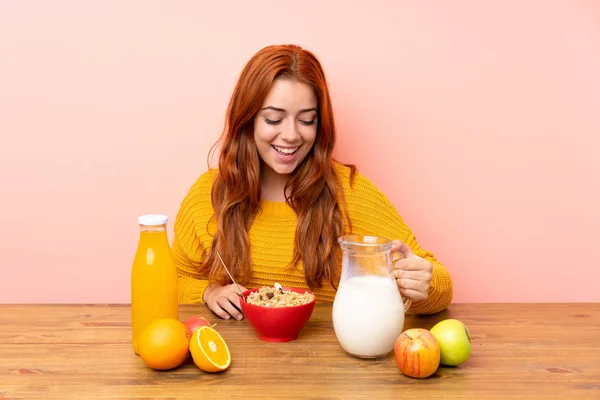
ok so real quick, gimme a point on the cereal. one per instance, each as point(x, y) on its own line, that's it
point(268, 296)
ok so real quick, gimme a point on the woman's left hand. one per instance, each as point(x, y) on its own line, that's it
point(412, 273)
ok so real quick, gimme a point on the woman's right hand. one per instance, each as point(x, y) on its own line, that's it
point(224, 300)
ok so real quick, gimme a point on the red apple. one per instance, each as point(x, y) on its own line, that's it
point(417, 353)
point(195, 322)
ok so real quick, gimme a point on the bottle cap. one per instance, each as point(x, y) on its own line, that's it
point(152, 219)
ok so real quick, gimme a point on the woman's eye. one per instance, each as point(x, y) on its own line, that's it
point(311, 122)
point(272, 122)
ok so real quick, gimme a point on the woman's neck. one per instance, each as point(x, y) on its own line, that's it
point(272, 185)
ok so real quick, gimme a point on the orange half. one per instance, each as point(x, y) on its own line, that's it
point(209, 350)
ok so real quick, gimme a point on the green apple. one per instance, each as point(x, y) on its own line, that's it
point(454, 340)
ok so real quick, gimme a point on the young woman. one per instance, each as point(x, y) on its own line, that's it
point(278, 202)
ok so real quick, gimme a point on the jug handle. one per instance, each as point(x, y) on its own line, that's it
point(407, 301)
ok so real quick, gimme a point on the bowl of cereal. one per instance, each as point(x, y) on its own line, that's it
point(277, 313)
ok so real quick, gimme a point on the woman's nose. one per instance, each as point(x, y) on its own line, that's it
point(290, 132)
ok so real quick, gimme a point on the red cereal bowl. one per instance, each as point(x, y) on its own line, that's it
point(277, 324)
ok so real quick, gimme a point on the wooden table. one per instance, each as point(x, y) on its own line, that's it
point(549, 351)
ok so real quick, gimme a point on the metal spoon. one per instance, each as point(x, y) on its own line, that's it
point(228, 273)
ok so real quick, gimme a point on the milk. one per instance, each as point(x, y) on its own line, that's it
point(368, 315)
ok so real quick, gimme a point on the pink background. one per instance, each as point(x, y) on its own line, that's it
point(480, 120)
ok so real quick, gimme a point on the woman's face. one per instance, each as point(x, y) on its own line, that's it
point(286, 126)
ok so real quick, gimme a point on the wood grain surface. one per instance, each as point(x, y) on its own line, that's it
point(541, 351)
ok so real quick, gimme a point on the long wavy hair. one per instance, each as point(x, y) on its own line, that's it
point(315, 190)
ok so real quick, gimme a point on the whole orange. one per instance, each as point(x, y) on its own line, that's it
point(164, 344)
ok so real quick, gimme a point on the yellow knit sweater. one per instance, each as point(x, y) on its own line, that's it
point(272, 240)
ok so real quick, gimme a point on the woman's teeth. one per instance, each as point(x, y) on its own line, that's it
point(286, 150)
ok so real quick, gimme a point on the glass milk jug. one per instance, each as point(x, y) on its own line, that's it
point(368, 309)
point(153, 277)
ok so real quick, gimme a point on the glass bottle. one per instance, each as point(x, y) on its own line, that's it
point(153, 277)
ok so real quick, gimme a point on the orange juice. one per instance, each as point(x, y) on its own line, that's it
point(153, 277)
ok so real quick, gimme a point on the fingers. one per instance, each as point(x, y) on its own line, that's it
point(243, 289)
point(226, 305)
point(225, 309)
point(414, 263)
point(402, 248)
point(218, 310)
point(413, 284)
point(422, 276)
point(413, 294)
point(224, 302)
point(407, 264)
point(234, 300)
point(234, 297)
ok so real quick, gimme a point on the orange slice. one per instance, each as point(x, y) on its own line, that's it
point(209, 350)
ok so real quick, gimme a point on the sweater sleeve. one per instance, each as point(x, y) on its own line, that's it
point(191, 286)
point(187, 248)
point(373, 214)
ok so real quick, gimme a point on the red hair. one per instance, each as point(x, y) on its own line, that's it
point(314, 187)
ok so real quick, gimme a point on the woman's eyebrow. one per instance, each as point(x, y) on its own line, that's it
point(283, 110)
point(273, 108)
